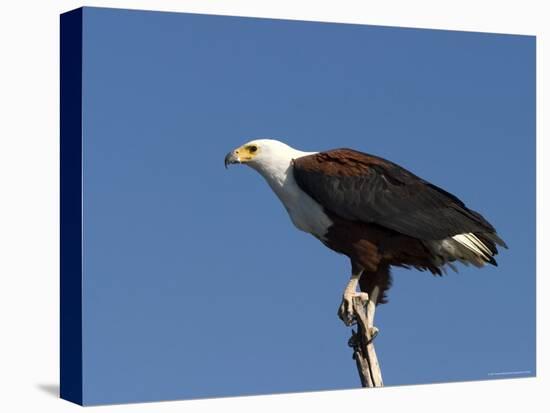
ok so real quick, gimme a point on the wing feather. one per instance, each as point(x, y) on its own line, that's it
point(362, 187)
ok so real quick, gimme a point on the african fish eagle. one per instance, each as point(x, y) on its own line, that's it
point(373, 211)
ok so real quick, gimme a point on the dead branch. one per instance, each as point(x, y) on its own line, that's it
point(362, 342)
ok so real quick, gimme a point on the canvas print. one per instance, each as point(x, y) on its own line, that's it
point(255, 206)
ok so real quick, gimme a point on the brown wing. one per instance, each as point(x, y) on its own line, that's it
point(362, 187)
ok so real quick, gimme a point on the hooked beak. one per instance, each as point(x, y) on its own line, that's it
point(230, 158)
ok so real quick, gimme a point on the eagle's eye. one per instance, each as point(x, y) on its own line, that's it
point(253, 148)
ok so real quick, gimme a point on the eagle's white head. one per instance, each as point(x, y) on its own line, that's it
point(267, 156)
point(273, 160)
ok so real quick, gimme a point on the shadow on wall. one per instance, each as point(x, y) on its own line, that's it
point(51, 389)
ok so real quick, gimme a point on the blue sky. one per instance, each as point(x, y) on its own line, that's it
point(196, 284)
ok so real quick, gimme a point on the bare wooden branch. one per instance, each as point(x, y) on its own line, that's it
point(362, 342)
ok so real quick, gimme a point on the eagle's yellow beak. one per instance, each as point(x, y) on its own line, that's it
point(242, 154)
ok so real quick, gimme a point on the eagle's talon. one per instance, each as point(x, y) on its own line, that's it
point(345, 312)
point(364, 297)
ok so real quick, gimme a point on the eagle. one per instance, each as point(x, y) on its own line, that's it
point(372, 210)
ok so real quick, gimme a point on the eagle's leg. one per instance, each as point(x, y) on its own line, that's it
point(371, 308)
point(345, 312)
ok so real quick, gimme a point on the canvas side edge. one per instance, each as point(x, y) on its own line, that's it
point(71, 380)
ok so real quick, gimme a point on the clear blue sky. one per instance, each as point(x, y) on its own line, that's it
point(196, 284)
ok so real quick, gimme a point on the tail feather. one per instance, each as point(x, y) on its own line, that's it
point(477, 248)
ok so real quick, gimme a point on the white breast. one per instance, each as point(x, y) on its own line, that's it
point(306, 214)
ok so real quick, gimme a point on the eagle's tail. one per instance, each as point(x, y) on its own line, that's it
point(477, 248)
